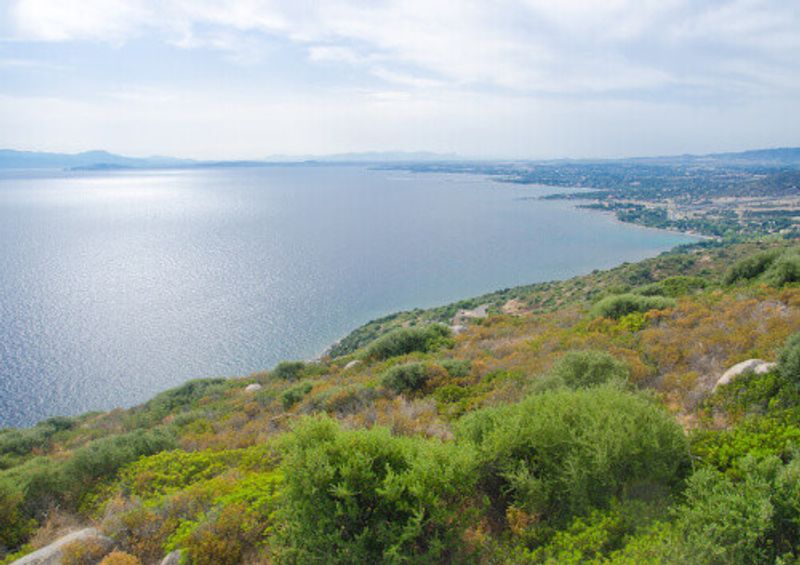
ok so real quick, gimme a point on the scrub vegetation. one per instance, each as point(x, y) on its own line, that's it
point(577, 422)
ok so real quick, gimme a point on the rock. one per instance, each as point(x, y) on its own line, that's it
point(53, 553)
point(173, 558)
point(457, 329)
point(462, 317)
point(757, 366)
point(250, 389)
point(352, 364)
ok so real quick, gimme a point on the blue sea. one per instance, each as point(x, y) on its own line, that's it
point(115, 286)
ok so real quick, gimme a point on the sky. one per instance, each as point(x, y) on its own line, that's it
point(248, 79)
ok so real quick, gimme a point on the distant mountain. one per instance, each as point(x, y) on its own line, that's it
point(780, 155)
point(101, 160)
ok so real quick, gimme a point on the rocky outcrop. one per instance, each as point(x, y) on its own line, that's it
point(463, 317)
point(54, 553)
point(173, 558)
point(250, 389)
point(757, 366)
point(352, 364)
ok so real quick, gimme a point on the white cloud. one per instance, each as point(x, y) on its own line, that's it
point(513, 77)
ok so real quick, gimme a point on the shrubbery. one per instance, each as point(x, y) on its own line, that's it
point(789, 360)
point(408, 340)
point(581, 369)
point(369, 497)
point(560, 453)
point(295, 394)
point(288, 370)
point(407, 378)
point(751, 267)
point(619, 305)
point(673, 287)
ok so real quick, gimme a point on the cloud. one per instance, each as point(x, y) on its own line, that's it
point(245, 78)
point(527, 45)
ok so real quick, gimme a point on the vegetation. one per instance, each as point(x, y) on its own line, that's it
point(578, 422)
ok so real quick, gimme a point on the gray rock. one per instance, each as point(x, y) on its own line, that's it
point(250, 389)
point(52, 554)
point(173, 558)
point(352, 364)
point(757, 366)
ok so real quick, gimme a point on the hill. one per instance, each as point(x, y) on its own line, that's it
point(570, 421)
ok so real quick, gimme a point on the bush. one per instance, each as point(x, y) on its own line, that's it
point(366, 496)
point(408, 378)
point(784, 270)
point(289, 370)
point(408, 340)
point(789, 359)
point(617, 306)
point(171, 402)
point(561, 453)
point(673, 287)
point(14, 526)
point(582, 369)
point(751, 520)
point(295, 394)
point(751, 267)
point(120, 558)
point(457, 368)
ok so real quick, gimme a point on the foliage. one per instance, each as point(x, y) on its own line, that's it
point(751, 267)
point(789, 360)
point(120, 558)
point(673, 287)
point(366, 496)
point(407, 378)
point(784, 270)
point(617, 306)
point(581, 369)
point(408, 340)
point(288, 370)
point(750, 520)
point(295, 394)
point(561, 453)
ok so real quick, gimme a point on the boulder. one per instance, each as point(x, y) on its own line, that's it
point(757, 366)
point(250, 389)
point(173, 558)
point(52, 554)
point(352, 364)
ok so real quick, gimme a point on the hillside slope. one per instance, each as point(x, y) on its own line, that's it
point(571, 421)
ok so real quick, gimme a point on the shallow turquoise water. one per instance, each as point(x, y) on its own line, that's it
point(116, 286)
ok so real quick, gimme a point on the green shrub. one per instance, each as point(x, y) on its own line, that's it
point(580, 369)
point(784, 270)
point(619, 305)
point(560, 453)
point(295, 394)
point(14, 526)
point(789, 359)
point(751, 267)
point(366, 496)
point(171, 402)
point(750, 520)
point(408, 340)
point(288, 370)
point(673, 287)
point(457, 368)
point(408, 378)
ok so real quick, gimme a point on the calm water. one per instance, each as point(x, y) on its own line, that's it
point(116, 286)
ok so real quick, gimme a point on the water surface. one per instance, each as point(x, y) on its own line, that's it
point(115, 286)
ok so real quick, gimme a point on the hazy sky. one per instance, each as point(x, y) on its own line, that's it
point(489, 78)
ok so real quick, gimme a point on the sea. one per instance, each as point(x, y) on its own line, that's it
point(117, 285)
